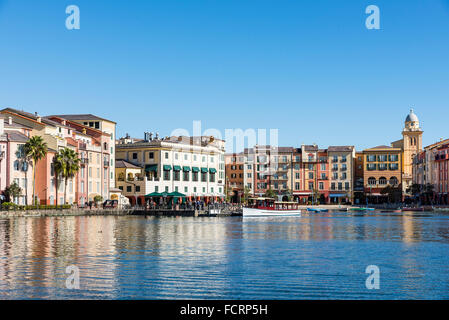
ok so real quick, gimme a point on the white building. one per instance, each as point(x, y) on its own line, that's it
point(193, 166)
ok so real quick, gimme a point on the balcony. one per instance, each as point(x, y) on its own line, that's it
point(84, 161)
point(82, 146)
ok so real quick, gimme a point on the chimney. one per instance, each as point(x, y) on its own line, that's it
point(10, 120)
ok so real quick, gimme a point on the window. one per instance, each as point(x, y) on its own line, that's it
point(297, 187)
point(382, 181)
point(203, 159)
point(310, 166)
point(176, 175)
point(394, 166)
point(321, 186)
point(310, 185)
point(335, 159)
point(195, 176)
point(333, 186)
point(151, 155)
point(128, 188)
point(176, 189)
point(166, 189)
point(310, 175)
point(371, 158)
point(297, 176)
point(394, 157)
point(185, 176)
point(249, 175)
point(166, 175)
point(323, 166)
point(137, 188)
point(194, 189)
point(382, 166)
point(335, 176)
point(203, 177)
point(90, 172)
point(394, 181)
point(372, 181)
point(186, 189)
point(176, 156)
point(16, 165)
point(323, 175)
point(371, 166)
point(347, 186)
point(382, 157)
point(166, 155)
point(90, 186)
point(340, 186)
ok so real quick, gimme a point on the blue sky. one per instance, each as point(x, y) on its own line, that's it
point(308, 68)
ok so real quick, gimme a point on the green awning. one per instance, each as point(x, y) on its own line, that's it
point(195, 169)
point(204, 170)
point(186, 169)
point(213, 170)
point(154, 194)
point(176, 194)
point(167, 167)
point(176, 168)
point(151, 168)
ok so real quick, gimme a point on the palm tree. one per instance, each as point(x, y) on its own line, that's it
point(58, 168)
point(246, 194)
point(270, 193)
point(71, 167)
point(25, 160)
point(12, 191)
point(36, 149)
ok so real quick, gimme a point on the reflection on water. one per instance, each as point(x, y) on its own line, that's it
point(319, 256)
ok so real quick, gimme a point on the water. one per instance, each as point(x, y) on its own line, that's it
point(317, 256)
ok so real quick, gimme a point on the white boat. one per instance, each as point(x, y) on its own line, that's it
point(256, 212)
point(267, 207)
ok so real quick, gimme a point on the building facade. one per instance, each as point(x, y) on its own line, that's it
point(193, 166)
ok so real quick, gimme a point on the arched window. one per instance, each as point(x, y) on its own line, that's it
point(372, 181)
point(382, 181)
point(394, 181)
point(411, 141)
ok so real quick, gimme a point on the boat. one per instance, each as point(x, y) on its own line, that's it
point(413, 209)
point(361, 209)
point(268, 207)
point(317, 210)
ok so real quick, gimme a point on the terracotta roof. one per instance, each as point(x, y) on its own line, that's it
point(126, 164)
point(310, 148)
point(340, 148)
point(16, 136)
point(85, 117)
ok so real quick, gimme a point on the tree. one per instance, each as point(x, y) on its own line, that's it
point(24, 163)
point(36, 149)
point(70, 168)
point(415, 189)
point(12, 191)
point(246, 194)
point(58, 169)
point(394, 193)
point(270, 193)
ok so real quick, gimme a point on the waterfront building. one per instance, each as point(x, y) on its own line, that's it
point(359, 190)
point(94, 149)
point(234, 170)
point(382, 168)
point(14, 167)
point(341, 159)
point(193, 166)
point(411, 145)
point(442, 160)
point(105, 126)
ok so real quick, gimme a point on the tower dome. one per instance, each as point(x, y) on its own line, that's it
point(411, 117)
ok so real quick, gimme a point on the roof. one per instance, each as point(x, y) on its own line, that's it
point(310, 148)
point(126, 164)
point(86, 116)
point(16, 136)
point(387, 148)
point(411, 117)
point(32, 116)
point(340, 148)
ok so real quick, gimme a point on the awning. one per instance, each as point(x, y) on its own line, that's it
point(167, 167)
point(338, 195)
point(204, 170)
point(176, 168)
point(154, 194)
point(186, 169)
point(195, 169)
point(176, 194)
point(213, 170)
point(151, 168)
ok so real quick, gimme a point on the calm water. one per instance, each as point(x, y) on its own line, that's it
point(320, 256)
